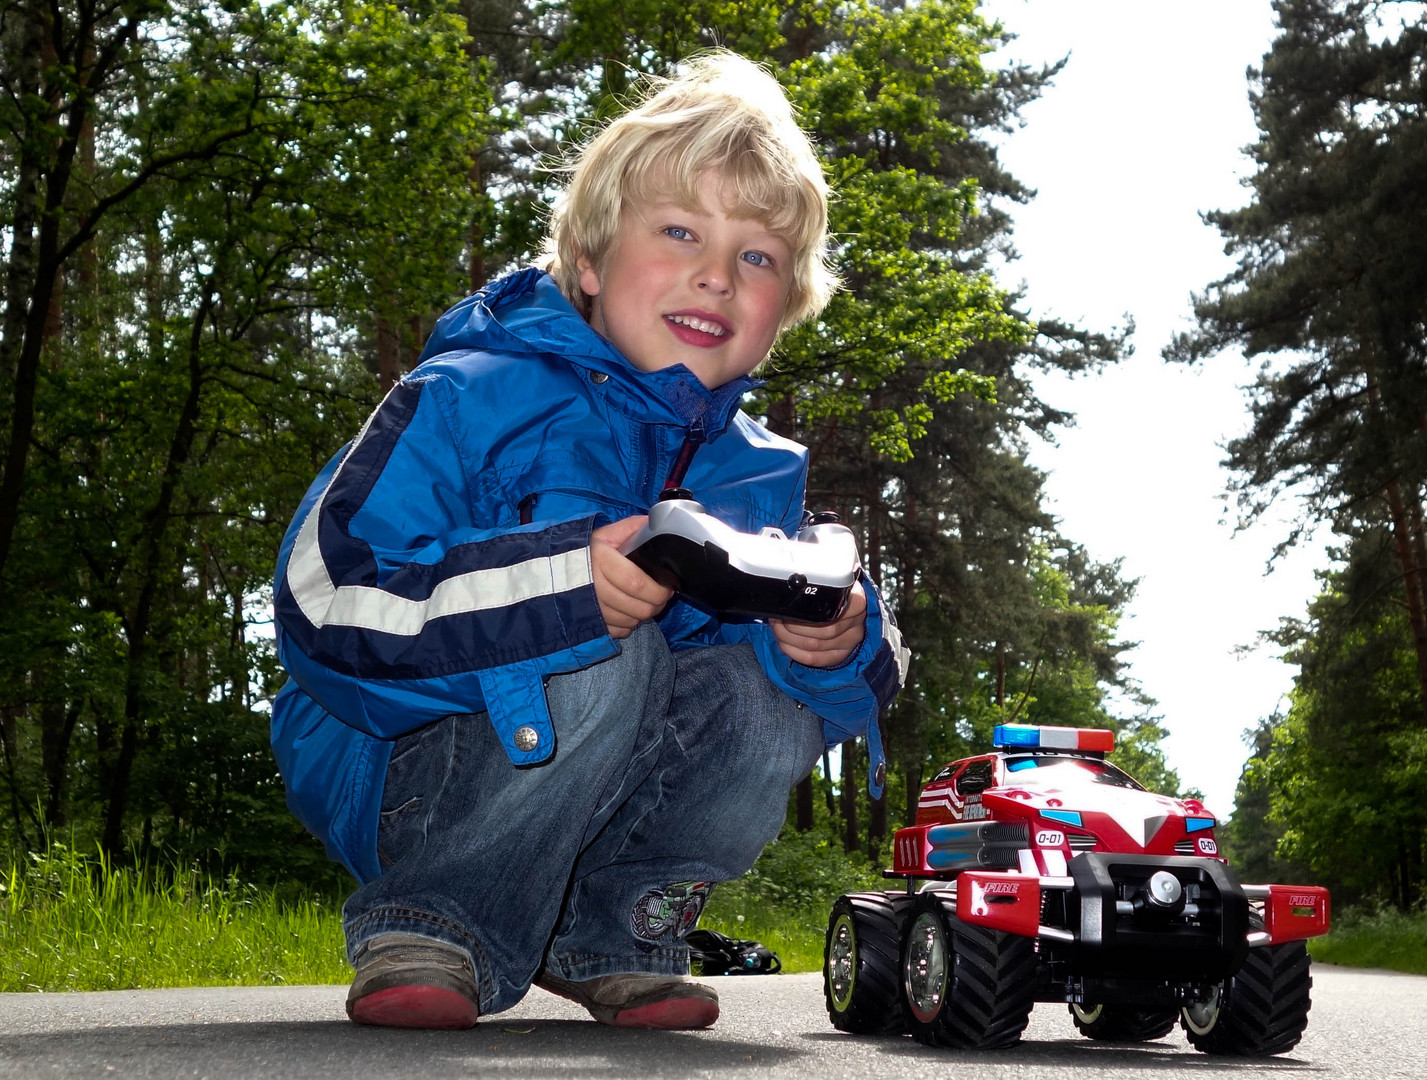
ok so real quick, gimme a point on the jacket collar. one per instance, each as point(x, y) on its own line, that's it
point(525, 312)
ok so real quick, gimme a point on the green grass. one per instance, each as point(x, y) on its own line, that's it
point(796, 941)
point(785, 899)
point(70, 921)
point(1375, 938)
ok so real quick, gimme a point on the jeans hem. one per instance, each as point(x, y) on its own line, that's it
point(427, 924)
point(582, 966)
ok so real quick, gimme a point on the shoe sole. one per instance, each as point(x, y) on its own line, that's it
point(415, 1007)
point(676, 1014)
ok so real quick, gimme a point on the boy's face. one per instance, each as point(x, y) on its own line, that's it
point(692, 287)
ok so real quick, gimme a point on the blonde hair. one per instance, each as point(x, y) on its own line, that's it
point(724, 114)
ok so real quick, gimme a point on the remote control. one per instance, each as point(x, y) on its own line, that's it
point(767, 575)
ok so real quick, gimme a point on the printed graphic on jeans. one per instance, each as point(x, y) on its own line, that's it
point(664, 916)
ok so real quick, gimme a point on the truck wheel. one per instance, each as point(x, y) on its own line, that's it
point(967, 987)
point(1122, 1023)
point(1261, 1010)
point(861, 980)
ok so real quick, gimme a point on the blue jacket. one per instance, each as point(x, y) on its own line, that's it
point(439, 564)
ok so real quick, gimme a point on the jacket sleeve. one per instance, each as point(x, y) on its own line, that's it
point(393, 604)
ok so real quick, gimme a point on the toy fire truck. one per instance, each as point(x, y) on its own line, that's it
point(1041, 872)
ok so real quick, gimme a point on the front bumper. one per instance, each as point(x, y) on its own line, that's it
point(1098, 921)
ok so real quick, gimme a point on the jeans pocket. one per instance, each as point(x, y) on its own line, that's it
point(408, 775)
point(398, 830)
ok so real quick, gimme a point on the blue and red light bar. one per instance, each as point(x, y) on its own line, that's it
point(1028, 737)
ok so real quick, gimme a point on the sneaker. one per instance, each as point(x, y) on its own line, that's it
point(670, 1002)
point(404, 980)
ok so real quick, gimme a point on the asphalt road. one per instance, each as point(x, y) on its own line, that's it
point(1369, 1024)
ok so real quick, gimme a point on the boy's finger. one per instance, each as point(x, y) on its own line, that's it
point(633, 609)
point(617, 532)
point(816, 651)
point(634, 583)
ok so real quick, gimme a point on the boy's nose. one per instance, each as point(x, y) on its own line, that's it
point(713, 276)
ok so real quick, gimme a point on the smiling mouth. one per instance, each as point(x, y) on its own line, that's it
point(703, 326)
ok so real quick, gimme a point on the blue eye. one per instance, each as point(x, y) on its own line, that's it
point(757, 258)
point(678, 233)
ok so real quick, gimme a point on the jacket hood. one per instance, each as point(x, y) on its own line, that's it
point(525, 312)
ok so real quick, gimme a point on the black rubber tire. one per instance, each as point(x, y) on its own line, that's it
point(864, 939)
point(988, 987)
point(1262, 1010)
point(1123, 1023)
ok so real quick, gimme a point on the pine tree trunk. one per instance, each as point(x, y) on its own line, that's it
point(803, 804)
point(417, 329)
point(57, 723)
point(1412, 574)
point(1000, 674)
point(9, 751)
point(388, 354)
point(476, 240)
point(914, 790)
point(876, 818)
point(851, 833)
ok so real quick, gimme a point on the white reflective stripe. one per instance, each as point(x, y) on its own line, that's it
point(370, 608)
point(307, 575)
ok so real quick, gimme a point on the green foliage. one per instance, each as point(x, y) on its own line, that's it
point(798, 874)
point(70, 921)
point(784, 900)
point(263, 186)
point(1336, 786)
point(1375, 938)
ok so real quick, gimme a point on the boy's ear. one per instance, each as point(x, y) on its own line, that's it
point(589, 277)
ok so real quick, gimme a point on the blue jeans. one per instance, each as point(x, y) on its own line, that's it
point(671, 772)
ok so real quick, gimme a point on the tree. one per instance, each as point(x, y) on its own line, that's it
point(1331, 282)
point(1344, 774)
point(1252, 837)
point(200, 370)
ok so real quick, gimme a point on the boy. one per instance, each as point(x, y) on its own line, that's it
point(534, 757)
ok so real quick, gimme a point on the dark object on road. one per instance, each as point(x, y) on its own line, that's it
point(1050, 875)
point(719, 955)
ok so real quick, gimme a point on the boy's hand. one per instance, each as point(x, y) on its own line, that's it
point(824, 646)
point(627, 595)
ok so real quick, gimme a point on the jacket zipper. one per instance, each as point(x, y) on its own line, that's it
point(693, 439)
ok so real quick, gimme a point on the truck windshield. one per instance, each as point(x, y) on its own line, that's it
point(1032, 770)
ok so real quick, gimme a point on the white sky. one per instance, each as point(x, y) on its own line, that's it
point(1142, 131)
